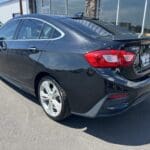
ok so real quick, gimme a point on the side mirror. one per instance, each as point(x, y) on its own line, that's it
point(3, 45)
point(2, 39)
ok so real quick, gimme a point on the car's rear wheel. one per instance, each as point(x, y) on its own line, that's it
point(53, 99)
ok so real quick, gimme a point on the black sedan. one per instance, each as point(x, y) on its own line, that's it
point(75, 65)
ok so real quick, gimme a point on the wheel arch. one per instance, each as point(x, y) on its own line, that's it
point(38, 77)
point(66, 108)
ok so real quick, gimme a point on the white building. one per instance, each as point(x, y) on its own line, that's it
point(10, 7)
point(131, 14)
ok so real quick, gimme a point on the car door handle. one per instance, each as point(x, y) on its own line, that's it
point(33, 49)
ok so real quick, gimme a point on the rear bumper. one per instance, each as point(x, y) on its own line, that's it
point(136, 91)
point(107, 110)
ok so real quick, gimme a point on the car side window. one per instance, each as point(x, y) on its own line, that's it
point(56, 34)
point(30, 29)
point(8, 31)
point(49, 32)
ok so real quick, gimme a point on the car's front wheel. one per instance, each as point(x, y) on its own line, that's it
point(53, 99)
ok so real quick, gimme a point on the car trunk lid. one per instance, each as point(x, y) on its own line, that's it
point(141, 67)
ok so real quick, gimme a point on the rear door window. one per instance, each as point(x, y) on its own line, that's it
point(30, 29)
point(46, 32)
point(49, 32)
point(56, 34)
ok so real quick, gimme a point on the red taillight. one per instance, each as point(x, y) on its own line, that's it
point(110, 58)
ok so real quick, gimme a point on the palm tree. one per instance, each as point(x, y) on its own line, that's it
point(91, 8)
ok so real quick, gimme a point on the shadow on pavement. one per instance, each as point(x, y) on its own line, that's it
point(28, 96)
point(131, 128)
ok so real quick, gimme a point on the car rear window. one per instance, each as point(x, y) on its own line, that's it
point(88, 27)
point(97, 29)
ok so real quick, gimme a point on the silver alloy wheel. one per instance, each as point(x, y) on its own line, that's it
point(50, 98)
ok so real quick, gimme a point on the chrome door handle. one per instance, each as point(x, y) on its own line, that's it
point(33, 49)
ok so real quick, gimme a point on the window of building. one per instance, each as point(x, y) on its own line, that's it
point(43, 6)
point(131, 14)
point(147, 21)
point(30, 29)
point(45, 3)
point(108, 10)
point(8, 31)
point(75, 6)
point(58, 7)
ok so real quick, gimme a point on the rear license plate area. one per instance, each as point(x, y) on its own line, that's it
point(145, 56)
point(145, 59)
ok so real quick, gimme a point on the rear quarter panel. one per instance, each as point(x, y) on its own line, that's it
point(64, 61)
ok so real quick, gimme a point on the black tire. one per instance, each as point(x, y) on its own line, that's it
point(65, 110)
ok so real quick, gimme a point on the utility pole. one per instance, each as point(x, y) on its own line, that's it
point(144, 18)
point(21, 7)
point(66, 4)
point(91, 8)
point(118, 11)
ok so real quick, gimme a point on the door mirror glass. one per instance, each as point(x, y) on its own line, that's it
point(3, 45)
point(2, 39)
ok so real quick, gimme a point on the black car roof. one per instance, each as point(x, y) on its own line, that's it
point(40, 16)
point(68, 21)
point(73, 22)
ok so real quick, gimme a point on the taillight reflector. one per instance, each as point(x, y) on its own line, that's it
point(118, 96)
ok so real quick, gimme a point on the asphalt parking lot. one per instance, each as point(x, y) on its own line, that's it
point(24, 126)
